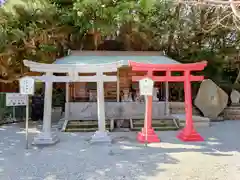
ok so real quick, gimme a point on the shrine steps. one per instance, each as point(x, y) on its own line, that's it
point(83, 126)
point(157, 124)
point(232, 112)
point(199, 121)
point(168, 123)
point(134, 125)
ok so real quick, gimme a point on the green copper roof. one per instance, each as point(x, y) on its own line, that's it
point(111, 59)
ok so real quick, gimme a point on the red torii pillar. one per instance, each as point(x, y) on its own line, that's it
point(188, 133)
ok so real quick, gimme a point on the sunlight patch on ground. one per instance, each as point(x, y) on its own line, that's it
point(212, 139)
point(31, 130)
point(73, 134)
point(128, 147)
point(51, 177)
point(100, 172)
point(28, 154)
point(27, 178)
point(213, 143)
point(174, 146)
point(1, 170)
point(73, 158)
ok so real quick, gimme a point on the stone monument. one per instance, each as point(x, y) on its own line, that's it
point(211, 99)
point(235, 97)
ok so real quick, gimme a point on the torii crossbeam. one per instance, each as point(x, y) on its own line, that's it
point(188, 133)
point(72, 71)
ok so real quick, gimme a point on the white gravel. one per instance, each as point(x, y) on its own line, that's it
point(218, 158)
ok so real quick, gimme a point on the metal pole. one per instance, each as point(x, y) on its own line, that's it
point(146, 120)
point(118, 86)
point(27, 117)
point(14, 114)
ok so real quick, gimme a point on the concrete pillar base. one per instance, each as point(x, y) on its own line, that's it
point(45, 139)
point(101, 137)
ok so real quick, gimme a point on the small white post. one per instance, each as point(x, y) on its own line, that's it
point(26, 88)
point(14, 113)
point(167, 112)
point(146, 120)
point(27, 118)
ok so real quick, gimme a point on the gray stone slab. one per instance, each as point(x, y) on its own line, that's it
point(211, 99)
point(101, 137)
point(45, 139)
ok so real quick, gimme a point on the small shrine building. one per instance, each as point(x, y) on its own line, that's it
point(96, 82)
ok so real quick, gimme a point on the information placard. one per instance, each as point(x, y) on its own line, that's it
point(16, 99)
point(27, 85)
point(146, 87)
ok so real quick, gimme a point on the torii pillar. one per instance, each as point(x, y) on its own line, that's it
point(49, 137)
point(188, 133)
point(101, 135)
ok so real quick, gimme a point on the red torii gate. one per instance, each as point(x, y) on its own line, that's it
point(188, 133)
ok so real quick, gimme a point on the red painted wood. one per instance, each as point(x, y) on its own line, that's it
point(169, 79)
point(136, 66)
point(188, 133)
point(147, 134)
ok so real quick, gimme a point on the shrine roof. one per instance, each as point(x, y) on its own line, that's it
point(102, 57)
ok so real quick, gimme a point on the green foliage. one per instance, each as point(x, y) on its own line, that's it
point(107, 16)
point(43, 30)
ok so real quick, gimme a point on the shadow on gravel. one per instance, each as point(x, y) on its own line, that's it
point(221, 139)
point(73, 158)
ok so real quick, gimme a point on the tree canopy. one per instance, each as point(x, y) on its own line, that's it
point(44, 30)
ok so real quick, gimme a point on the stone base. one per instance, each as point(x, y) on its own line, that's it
point(185, 136)
point(101, 137)
point(150, 137)
point(235, 104)
point(45, 139)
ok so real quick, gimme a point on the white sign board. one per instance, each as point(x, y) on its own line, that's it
point(16, 99)
point(27, 85)
point(146, 87)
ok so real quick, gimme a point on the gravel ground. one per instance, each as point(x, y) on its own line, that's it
point(73, 158)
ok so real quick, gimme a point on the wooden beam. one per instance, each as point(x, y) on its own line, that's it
point(85, 69)
point(65, 68)
point(167, 67)
point(95, 78)
point(169, 78)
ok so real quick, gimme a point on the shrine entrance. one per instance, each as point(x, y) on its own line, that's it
point(188, 133)
point(72, 71)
